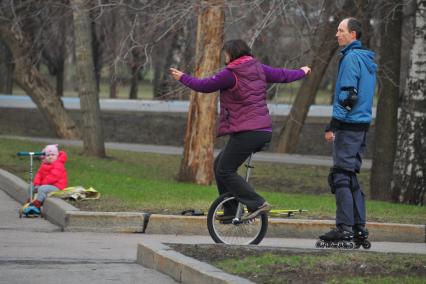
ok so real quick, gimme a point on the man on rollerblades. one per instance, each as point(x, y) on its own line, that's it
point(352, 108)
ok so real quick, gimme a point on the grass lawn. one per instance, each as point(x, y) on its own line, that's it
point(332, 267)
point(283, 265)
point(131, 181)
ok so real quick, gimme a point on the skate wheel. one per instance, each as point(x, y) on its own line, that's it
point(366, 245)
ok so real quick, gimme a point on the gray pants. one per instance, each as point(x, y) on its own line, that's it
point(347, 159)
point(43, 191)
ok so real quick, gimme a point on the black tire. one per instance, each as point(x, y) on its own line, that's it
point(248, 232)
point(366, 244)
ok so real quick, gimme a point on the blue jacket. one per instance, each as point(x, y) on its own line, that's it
point(357, 69)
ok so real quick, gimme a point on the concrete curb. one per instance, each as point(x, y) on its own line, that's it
point(70, 218)
point(182, 268)
point(106, 222)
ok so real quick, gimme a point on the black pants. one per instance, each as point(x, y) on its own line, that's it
point(237, 150)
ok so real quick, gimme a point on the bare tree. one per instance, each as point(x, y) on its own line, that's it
point(27, 76)
point(410, 160)
point(172, 53)
point(93, 140)
point(387, 107)
point(197, 161)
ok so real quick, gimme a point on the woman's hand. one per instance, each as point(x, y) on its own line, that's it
point(306, 69)
point(176, 74)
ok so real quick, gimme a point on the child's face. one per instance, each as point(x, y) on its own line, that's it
point(50, 158)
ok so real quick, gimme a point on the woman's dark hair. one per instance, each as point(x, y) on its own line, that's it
point(236, 48)
point(355, 26)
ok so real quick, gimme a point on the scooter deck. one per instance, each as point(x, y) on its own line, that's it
point(30, 214)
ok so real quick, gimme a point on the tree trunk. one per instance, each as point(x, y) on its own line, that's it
point(113, 80)
point(410, 161)
point(36, 86)
point(60, 80)
point(6, 69)
point(60, 60)
point(134, 83)
point(197, 161)
point(96, 45)
point(93, 140)
point(324, 48)
point(368, 8)
point(69, 62)
point(387, 106)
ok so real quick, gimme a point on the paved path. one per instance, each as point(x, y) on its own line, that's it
point(8, 101)
point(35, 251)
point(171, 150)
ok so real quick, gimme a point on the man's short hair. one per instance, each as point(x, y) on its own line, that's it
point(355, 26)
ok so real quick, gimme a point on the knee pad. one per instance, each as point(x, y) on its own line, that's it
point(346, 183)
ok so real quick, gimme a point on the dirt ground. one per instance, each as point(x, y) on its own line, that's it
point(360, 263)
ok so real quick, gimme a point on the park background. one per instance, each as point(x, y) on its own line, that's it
point(122, 50)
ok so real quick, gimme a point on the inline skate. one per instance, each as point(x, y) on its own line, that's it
point(360, 237)
point(336, 238)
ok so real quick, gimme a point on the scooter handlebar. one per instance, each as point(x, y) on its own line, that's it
point(35, 154)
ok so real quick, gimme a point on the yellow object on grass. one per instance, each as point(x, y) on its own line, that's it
point(76, 193)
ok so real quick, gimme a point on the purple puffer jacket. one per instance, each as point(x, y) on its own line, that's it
point(244, 107)
point(242, 85)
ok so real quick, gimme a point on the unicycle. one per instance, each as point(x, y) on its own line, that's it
point(235, 229)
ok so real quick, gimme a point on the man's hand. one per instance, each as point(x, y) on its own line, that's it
point(306, 69)
point(329, 136)
point(176, 74)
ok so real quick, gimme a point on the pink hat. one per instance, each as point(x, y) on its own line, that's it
point(51, 149)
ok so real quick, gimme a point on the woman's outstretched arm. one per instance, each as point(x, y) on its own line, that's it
point(220, 81)
point(283, 75)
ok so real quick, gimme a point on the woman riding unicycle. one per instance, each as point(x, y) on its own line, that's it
point(244, 116)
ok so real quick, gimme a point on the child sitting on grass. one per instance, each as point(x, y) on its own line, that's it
point(51, 176)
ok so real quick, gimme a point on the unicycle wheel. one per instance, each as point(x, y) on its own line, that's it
point(245, 232)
